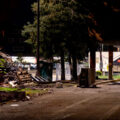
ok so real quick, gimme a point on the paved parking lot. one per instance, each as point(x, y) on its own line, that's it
point(69, 103)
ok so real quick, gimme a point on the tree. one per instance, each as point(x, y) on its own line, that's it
point(63, 30)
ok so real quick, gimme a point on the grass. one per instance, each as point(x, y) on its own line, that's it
point(28, 91)
point(8, 89)
point(116, 77)
point(103, 77)
point(106, 77)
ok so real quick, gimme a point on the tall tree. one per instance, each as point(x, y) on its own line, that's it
point(63, 27)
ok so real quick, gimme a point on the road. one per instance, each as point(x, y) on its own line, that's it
point(69, 103)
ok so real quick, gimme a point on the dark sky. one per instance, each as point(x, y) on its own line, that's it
point(15, 12)
point(18, 12)
point(108, 18)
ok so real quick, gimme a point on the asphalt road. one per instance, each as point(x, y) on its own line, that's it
point(69, 103)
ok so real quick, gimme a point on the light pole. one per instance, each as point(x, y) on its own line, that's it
point(38, 37)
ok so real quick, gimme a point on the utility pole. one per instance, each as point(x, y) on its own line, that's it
point(38, 37)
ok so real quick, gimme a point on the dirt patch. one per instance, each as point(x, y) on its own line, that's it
point(12, 95)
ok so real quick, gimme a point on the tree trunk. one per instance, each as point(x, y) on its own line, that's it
point(110, 62)
point(38, 39)
point(101, 61)
point(62, 66)
point(92, 75)
point(71, 67)
point(74, 68)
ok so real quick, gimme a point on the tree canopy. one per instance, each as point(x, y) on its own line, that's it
point(65, 26)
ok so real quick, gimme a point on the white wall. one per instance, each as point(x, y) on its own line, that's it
point(105, 59)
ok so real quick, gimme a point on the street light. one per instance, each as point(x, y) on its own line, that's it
point(38, 37)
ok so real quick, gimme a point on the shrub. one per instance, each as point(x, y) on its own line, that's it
point(98, 73)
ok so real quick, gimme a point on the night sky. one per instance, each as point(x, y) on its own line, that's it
point(15, 12)
point(18, 12)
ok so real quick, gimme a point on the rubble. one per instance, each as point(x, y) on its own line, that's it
point(10, 74)
point(14, 77)
point(13, 83)
point(24, 77)
point(59, 85)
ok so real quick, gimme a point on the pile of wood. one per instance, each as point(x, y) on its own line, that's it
point(24, 77)
point(16, 78)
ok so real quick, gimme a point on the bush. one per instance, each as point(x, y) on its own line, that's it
point(2, 62)
point(2, 66)
point(98, 73)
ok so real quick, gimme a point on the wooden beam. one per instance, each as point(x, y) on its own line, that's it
point(107, 81)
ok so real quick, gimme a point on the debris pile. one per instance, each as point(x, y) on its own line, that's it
point(16, 78)
point(24, 77)
point(16, 83)
point(10, 74)
point(13, 76)
point(10, 78)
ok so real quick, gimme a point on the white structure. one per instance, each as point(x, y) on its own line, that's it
point(105, 59)
point(57, 75)
point(25, 59)
point(58, 72)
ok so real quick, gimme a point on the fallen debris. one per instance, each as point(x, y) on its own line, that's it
point(24, 77)
point(12, 75)
point(13, 83)
point(14, 105)
point(59, 85)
